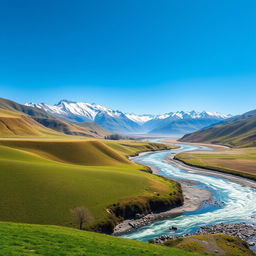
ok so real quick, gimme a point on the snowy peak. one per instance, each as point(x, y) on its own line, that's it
point(141, 119)
point(76, 110)
point(116, 121)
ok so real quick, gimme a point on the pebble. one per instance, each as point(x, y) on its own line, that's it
point(244, 231)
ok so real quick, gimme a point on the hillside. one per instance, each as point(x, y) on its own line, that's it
point(238, 131)
point(183, 126)
point(51, 122)
point(94, 128)
point(44, 181)
point(19, 124)
point(72, 128)
point(58, 241)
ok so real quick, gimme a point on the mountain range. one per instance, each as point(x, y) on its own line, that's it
point(115, 121)
point(237, 131)
point(21, 120)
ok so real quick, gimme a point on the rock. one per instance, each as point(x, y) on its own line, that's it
point(173, 228)
point(132, 225)
point(241, 230)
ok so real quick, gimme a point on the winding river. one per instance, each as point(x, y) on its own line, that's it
point(232, 202)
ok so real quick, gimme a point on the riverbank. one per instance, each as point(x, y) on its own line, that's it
point(232, 177)
point(193, 198)
point(212, 146)
point(236, 161)
point(246, 232)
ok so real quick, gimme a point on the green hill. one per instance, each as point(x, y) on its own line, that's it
point(44, 178)
point(72, 128)
point(238, 131)
point(18, 124)
point(25, 239)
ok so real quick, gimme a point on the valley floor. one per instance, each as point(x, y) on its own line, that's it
point(193, 198)
point(241, 162)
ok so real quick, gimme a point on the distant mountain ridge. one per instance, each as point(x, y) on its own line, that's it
point(237, 131)
point(120, 122)
point(31, 119)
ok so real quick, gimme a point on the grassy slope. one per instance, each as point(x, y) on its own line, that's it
point(24, 239)
point(236, 161)
point(44, 119)
point(238, 131)
point(217, 244)
point(92, 126)
point(19, 124)
point(72, 128)
point(41, 180)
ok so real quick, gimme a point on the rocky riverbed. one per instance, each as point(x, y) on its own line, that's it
point(194, 197)
point(244, 231)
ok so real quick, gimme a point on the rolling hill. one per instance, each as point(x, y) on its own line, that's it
point(49, 121)
point(44, 181)
point(238, 131)
point(19, 124)
point(44, 240)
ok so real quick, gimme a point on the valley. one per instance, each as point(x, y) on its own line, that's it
point(136, 188)
point(96, 176)
point(230, 195)
point(127, 128)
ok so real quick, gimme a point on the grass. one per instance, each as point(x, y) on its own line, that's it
point(25, 239)
point(239, 133)
point(240, 161)
point(217, 244)
point(42, 179)
point(35, 122)
point(19, 124)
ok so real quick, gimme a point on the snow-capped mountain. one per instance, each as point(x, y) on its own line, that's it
point(117, 121)
point(76, 111)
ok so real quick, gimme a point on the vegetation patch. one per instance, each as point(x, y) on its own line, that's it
point(41, 240)
point(215, 244)
point(45, 178)
point(241, 162)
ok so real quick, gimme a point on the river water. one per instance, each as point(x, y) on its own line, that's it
point(231, 203)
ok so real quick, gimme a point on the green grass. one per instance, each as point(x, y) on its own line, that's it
point(35, 188)
point(240, 162)
point(15, 124)
point(25, 239)
point(223, 244)
point(237, 133)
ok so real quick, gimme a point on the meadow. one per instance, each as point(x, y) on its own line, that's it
point(240, 161)
point(41, 180)
point(26, 239)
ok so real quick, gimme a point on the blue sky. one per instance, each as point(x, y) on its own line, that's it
point(137, 56)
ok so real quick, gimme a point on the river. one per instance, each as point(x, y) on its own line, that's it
point(231, 203)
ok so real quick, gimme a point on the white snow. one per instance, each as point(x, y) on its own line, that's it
point(90, 111)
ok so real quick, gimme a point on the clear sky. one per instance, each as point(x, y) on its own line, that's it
point(138, 56)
